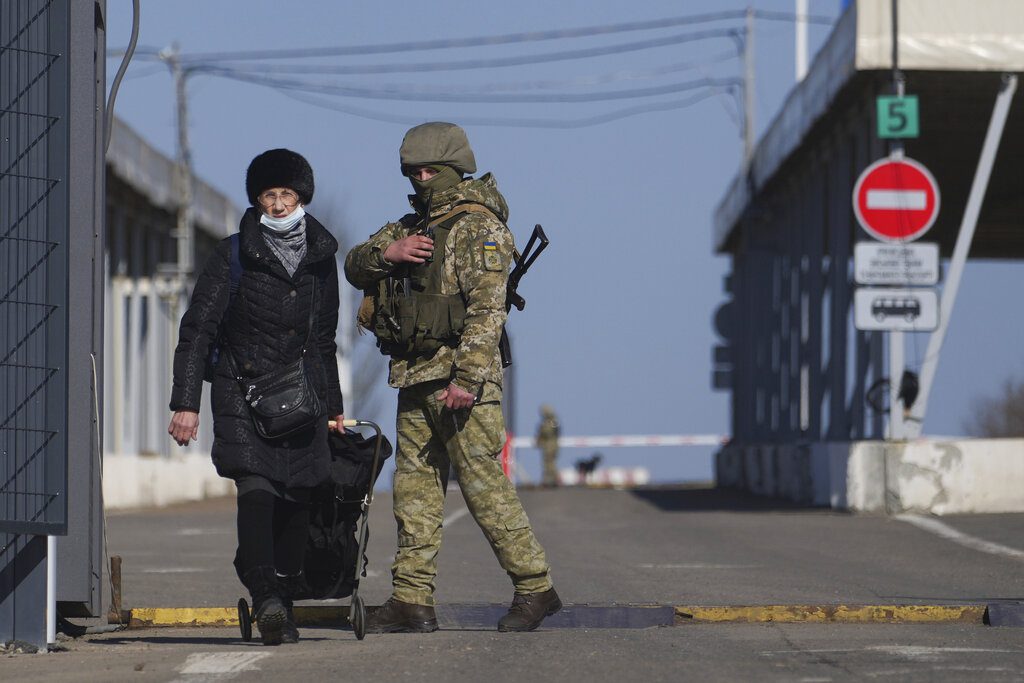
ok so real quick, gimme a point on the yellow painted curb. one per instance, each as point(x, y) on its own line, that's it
point(167, 617)
point(850, 614)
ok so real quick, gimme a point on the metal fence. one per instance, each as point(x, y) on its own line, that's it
point(34, 220)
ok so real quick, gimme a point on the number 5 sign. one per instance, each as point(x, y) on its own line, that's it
point(897, 116)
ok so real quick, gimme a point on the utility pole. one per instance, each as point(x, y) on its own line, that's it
point(185, 228)
point(748, 88)
point(801, 39)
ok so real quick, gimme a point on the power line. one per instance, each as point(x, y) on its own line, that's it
point(492, 63)
point(426, 94)
point(510, 122)
point(598, 79)
point(474, 41)
point(480, 41)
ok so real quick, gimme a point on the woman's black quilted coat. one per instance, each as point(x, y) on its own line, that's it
point(264, 328)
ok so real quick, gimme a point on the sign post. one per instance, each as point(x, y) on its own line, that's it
point(896, 201)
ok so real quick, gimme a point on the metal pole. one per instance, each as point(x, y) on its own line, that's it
point(801, 40)
point(963, 246)
point(184, 233)
point(896, 360)
point(51, 590)
point(748, 88)
point(895, 375)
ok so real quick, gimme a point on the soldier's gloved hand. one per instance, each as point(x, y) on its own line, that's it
point(456, 398)
point(411, 249)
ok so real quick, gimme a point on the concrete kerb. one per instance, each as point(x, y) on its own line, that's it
point(337, 615)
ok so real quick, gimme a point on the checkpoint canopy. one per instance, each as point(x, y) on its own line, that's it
point(953, 54)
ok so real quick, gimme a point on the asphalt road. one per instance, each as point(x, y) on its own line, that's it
point(667, 546)
point(676, 547)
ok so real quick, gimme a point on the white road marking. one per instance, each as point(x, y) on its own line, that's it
point(697, 565)
point(208, 667)
point(171, 570)
point(949, 533)
point(921, 653)
point(913, 652)
point(202, 532)
point(455, 516)
point(913, 200)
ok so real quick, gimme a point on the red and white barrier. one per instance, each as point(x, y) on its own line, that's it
point(628, 440)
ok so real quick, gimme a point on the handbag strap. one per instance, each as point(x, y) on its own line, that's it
point(312, 313)
point(309, 333)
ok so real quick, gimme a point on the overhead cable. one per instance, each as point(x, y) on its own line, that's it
point(473, 41)
point(491, 63)
point(427, 94)
point(597, 79)
point(512, 122)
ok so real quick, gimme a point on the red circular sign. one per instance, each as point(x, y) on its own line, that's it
point(896, 200)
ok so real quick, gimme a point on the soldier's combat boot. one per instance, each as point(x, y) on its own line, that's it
point(268, 608)
point(395, 616)
point(528, 610)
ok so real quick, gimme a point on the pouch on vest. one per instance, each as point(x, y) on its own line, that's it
point(410, 315)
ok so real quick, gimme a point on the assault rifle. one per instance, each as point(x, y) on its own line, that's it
point(534, 246)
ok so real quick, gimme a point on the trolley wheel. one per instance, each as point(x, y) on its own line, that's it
point(357, 617)
point(244, 620)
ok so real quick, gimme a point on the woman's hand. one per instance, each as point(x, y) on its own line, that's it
point(338, 423)
point(184, 426)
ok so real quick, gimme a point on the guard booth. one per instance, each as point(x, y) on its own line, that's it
point(797, 367)
point(51, 255)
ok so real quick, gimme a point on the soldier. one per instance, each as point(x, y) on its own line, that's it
point(547, 442)
point(435, 283)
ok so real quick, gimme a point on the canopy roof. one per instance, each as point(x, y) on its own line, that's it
point(953, 54)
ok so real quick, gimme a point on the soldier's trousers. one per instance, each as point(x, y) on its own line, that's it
point(430, 437)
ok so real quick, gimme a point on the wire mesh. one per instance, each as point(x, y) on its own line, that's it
point(33, 273)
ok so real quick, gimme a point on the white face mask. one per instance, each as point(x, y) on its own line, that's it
point(284, 223)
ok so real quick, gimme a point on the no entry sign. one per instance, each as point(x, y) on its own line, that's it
point(896, 199)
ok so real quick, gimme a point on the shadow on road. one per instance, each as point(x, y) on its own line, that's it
point(715, 499)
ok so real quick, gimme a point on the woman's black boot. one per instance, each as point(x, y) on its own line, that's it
point(268, 607)
point(291, 588)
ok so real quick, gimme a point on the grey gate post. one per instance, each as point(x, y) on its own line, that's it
point(51, 174)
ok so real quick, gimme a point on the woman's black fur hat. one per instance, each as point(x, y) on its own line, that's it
point(279, 168)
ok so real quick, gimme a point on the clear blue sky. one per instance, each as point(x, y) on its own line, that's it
point(617, 335)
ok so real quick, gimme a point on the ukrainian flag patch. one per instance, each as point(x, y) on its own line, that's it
point(492, 258)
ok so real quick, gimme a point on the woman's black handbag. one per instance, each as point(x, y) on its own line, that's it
point(284, 401)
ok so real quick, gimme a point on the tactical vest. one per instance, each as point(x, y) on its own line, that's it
point(411, 317)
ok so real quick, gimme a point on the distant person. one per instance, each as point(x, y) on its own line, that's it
point(436, 281)
point(284, 307)
point(547, 442)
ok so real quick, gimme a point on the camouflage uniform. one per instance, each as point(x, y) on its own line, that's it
point(477, 258)
point(547, 442)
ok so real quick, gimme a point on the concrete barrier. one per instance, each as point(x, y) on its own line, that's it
point(141, 480)
point(936, 476)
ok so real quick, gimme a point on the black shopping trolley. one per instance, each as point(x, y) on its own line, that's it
point(335, 560)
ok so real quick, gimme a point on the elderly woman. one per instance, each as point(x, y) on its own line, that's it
point(266, 298)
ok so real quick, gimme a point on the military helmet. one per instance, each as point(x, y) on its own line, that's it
point(438, 142)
